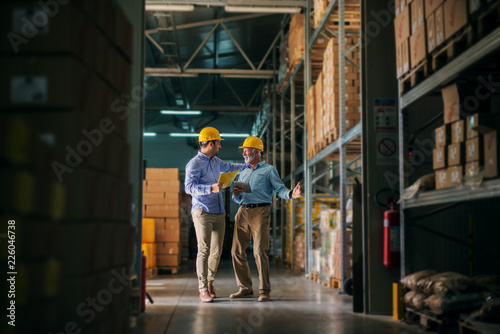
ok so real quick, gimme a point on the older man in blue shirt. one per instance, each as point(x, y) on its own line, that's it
point(202, 183)
point(252, 219)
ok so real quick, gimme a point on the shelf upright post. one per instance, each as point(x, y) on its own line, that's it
point(282, 174)
point(402, 156)
point(342, 147)
point(293, 147)
point(274, 154)
point(307, 171)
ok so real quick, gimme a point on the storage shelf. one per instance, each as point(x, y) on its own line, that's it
point(478, 51)
point(348, 137)
point(487, 189)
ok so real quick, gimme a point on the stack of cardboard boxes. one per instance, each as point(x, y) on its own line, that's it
point(161, 192)
point(469, 143)
point(296, 40)
point(149, 246)
point(423, 26)
point(64, 152)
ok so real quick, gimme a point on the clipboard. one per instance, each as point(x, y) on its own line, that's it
point(227, 178)
point(243, 185)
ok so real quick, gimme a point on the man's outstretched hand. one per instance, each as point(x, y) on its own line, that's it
point(296, 191)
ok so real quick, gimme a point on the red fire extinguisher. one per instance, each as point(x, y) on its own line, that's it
point(143, 282)
point(392, 238)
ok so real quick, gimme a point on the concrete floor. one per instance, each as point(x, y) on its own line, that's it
point(298, 305)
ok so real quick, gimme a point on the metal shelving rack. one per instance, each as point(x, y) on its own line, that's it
point(337, 146)
point(488, 189)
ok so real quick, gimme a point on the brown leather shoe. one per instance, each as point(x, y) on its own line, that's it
point(211, 291)
point(264, 297)
point(242, 293)
point(205, 297)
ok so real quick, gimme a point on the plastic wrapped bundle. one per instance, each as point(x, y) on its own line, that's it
point(412, 281)
point(490, 311)
point(444, 283)
point(441, 304)
point(415, 299)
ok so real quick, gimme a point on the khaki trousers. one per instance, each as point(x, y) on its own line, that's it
point(253, 223)
point(210, 228)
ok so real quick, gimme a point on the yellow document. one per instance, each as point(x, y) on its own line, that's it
point(227, 178)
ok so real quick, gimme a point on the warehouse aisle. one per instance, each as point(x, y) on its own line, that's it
point(298, 305)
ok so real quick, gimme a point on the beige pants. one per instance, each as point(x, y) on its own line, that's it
point(210, 228)
point(251, 223)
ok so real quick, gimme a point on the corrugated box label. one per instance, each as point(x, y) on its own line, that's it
point(28, 89)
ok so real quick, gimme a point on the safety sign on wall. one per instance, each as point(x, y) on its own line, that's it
point(386, 115)
point(387, 148)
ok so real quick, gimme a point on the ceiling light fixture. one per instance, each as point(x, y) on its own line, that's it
point(180, 112)
point(260, 9)
point(185, 134)
point(169, 7)
point(149, 134)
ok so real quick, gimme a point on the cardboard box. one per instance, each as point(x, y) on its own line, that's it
point(431, 6)
point(439, 25)
point(455, 16)
point(456, 154)
point(160, 199)
point(167, 230)
point(481, 123)
point(402, 24)
point(442, 179)
point(167, 248)
point(168, 260)
point(399, 61)
point(167, 186)
point(439, 158)
point(443, 135)
point(457, 132)
point(474, 149)
point(431, 33)
point(418, 46)
point(162, 211)
point(451, 101)
point(162, 174)
point(455, 174)
point(491, 153)
point(417, 15)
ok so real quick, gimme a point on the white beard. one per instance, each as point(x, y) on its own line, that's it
point(249, 158)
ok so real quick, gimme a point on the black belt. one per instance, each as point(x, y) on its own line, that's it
point(251, 206)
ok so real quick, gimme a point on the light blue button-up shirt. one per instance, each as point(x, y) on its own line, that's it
point(201, 173)
point(263, 180)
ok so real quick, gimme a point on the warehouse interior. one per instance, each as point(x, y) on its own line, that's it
point(386, 112)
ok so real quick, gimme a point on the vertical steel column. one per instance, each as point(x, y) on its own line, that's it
point(307, 171)
point(402, 184)
point(341, 7)
point(273, 250)
point(293, 149)
point(282, 174)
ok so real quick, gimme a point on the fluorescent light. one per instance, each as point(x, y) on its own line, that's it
point(180, 112)
point(187, 134)
point(260, 9)
point(149, 134)
point(169, 7)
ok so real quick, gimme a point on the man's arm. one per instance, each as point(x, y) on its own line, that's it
point(191, 185)
point(237, 195)
point(279, 187)
point(227, 167)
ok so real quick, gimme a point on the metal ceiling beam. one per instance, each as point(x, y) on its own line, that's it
point(236, 109)
point(233, 91)
point(173, 72)
point(238, 46)
point(218, 3)
point(201, 45)
point(214, 21)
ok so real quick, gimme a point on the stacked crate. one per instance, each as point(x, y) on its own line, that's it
point(295, 40)
point(65, 153)
point(311, 121)
point(470, 144)
point(294, 248)
point(319, 11)
point(161, 201)
point(331, 90)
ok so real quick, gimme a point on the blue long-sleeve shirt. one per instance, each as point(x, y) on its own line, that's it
point(263, 180)
point(201, 173)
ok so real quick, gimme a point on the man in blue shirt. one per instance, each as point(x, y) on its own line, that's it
point(202, 183)
point(252, 219)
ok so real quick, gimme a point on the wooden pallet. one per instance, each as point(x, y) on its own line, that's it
point(335, 283)
point(151, 272)
point(313, 277)
point(460, 42)
point(464, 328)
point(168, 270)
point(431, 322)
point(415, 76)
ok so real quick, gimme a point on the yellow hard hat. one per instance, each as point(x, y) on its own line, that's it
point(208, 134)
point(253, 142)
